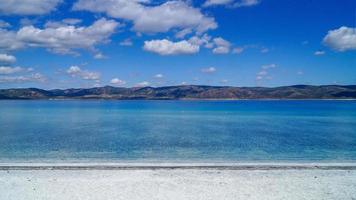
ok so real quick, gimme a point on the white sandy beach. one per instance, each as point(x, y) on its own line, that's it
point(204, 184)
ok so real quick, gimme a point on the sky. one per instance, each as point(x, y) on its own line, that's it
point(136, 43)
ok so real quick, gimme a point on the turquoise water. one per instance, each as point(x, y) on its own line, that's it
point(210, 131)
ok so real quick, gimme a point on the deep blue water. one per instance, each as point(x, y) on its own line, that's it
point(210, 131)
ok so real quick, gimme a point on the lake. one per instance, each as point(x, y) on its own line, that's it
point(178, 131)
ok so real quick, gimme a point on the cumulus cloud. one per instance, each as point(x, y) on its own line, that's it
point(64, 22)
point(218, 45)
point(158, 76)
point(208, 70)
point(238, 50)
point(5, 58)
point(99, 56)
point(19, 75)
point(183, 33)
point(264, 72)
point(9, 41)
point(27, 7)
point(319, 53)
point(34, 77)
point(166, 47)
point(152, 18)
point(342, 39)
point(72, 21)
point(222, 46)
point(10, 70)
point(217, 2)
point(224, 81)
point(126, 42)
point(62, 39)
point(4, 24)
point(270, 66)
point(143, 84)
point(246, 3)
point(13, 70)
point(204, 40)
point(76, 71)
point(231, 3)
point(117, 81)
point(65, 39)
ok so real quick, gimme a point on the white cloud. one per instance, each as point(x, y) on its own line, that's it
point(73, 70)
point(264, 72)
point(238, 50)
point(12, 70)
point(117, 81)
point(126, 42)
point(4, 24)
point(27, 21)
point(151, 18)
point(246, 3)
point(300, 72)
point(76, 71)
point(9, 40)
point(259, 78)
point(23, 75)
point(62, 39)
point(183, 33)
point(64, 22)
point(158, 76)
point(35, 77)
point(217, 2)
point(224, 81)
point(27, 7)
point(204, 40)
point(221, 42)
point(184, 83)
point(264, 50)
point(269, 66)
point(99, 56)
point(142, 84)
point(231, 3)
point(341, 39)
point(221, 50)
point(5, 58)
point(218, 44)
point(222, 46)
point(319, 53)
point(167, 47)
point(72, 21)
point(208, 70)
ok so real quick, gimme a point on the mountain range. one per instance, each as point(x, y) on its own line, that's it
point(187, 92)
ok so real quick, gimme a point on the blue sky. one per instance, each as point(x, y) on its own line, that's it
point(125, 43)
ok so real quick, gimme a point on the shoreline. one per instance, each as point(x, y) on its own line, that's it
point(183, 99)
point(177, 166)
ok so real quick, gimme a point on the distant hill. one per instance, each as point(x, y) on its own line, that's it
point(188, 92)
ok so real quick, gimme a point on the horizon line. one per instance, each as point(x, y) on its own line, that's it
point(226, 86)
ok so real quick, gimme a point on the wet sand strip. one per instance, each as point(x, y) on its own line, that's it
point(178, 167)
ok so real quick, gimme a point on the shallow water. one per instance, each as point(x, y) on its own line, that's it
point(177, 131)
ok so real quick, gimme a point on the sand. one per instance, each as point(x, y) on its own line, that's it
point(166, 184)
